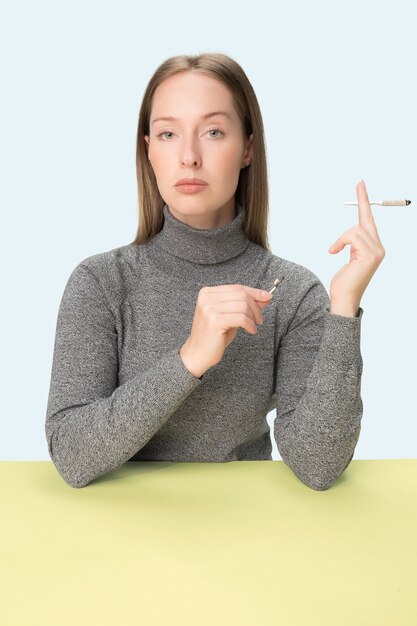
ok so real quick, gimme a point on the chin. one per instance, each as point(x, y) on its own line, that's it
point(189, 204)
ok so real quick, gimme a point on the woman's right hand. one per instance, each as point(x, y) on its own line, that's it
point(220, 311)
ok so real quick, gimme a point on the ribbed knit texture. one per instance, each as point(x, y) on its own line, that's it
point(120, 391)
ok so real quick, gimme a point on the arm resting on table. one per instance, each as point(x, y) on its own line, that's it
point(318, 384)
point(92, 426)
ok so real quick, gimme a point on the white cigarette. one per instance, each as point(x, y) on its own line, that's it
point(386, 203)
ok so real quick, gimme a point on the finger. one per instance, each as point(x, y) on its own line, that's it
point(257, 294)
point(239, 320)
point(258, 298)
point(362, 232)
point(357, 239)
point(241, 300)
point(366, 218)
point(247, 308)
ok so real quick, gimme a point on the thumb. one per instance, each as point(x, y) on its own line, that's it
point(262, 305)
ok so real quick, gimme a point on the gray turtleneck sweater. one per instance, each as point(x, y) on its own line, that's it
point(119, 390)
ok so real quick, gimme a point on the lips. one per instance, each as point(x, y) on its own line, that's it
point(190, 181)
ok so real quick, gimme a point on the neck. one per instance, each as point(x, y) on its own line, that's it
point(215, 219)
point(202, 245)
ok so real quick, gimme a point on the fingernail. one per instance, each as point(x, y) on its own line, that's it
point(266, 294)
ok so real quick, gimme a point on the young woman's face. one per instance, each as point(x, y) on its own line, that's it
point(213, 148)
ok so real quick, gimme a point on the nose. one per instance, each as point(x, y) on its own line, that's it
point(190, 161)
point(190, 156)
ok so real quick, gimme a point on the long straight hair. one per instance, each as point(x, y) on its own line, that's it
point(252, 188)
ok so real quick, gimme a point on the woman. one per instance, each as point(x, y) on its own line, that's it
point(148, 363)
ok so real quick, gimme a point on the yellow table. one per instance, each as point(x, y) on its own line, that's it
point(245, 543)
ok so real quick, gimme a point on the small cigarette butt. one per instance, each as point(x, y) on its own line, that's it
point(277, 281)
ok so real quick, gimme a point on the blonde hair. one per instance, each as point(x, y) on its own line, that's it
point(252, 188)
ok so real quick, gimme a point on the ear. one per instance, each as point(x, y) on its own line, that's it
point(146, 138)
point(249, 148)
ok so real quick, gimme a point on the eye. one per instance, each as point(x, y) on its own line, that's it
point(164, 132)
point(210, 130)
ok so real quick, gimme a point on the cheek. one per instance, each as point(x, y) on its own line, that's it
point(159, 162)
point(228, 160)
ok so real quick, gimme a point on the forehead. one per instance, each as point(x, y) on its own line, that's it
point(191, 94)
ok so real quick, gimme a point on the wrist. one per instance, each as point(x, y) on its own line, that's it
point(190, 362)
point(344, 309)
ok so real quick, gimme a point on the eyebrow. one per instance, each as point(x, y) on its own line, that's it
point(203, 117)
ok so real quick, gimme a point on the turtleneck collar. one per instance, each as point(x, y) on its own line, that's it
point(202, 245)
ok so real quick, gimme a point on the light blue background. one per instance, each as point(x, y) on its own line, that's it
point(337, 89)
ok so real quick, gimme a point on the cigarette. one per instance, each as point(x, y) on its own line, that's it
point(277, 281)
point(386, 202)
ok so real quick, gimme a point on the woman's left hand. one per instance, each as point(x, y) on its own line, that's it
point(366, 254)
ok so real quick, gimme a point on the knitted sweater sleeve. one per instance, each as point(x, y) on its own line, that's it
point(92, 425)
point(318, 386)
